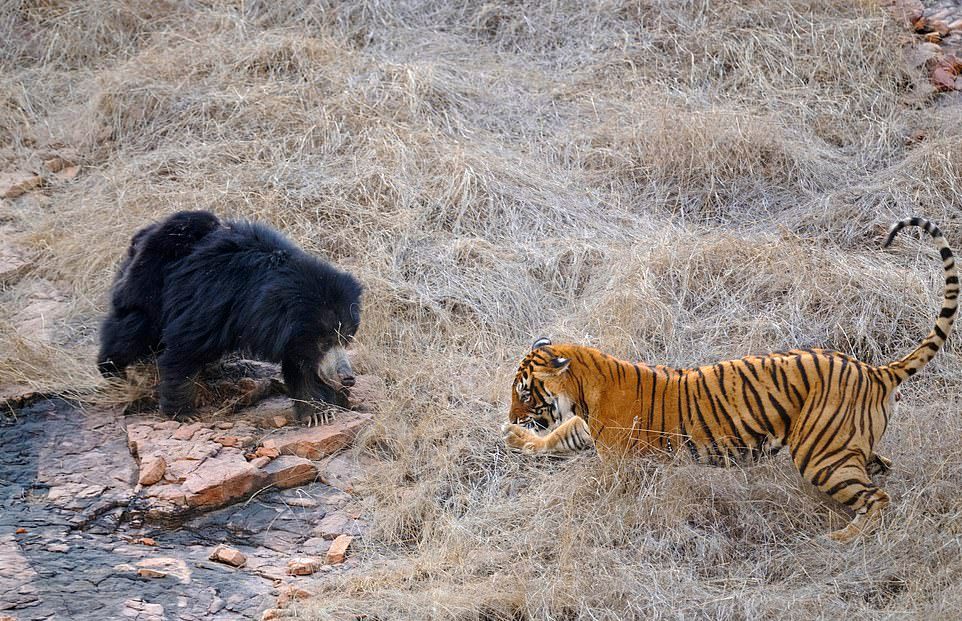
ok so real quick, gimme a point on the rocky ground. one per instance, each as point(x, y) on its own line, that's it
point(938, 46)
point(107, 515)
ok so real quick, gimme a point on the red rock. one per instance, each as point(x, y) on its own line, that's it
point(272, 613)
point(228, 441)
point(290, 471)
point(224, 424)
point(319, 442)
point(279, 421)
point(147, 572)
point(260, 462)
point(152, 469)
point(303, 566)
point(338, 549)
point(906, 11)
point(179, 470)
point(13, 185)
point(943, 80)
point(269, 452)
point(222, 480)
point(291, 593)
point(169, 493)
point(228, 556)
point(20, 531)
point(186, 432)
point(147, 541)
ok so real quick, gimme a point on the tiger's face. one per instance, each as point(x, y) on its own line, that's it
point(539, 399)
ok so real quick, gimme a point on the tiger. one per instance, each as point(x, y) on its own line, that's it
point(829, 408)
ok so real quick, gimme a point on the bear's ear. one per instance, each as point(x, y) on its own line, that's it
point(554, 367)
point(543, 341)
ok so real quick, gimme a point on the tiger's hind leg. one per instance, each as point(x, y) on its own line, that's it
point(848, 482)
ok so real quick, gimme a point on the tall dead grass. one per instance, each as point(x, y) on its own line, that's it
point(672, 181)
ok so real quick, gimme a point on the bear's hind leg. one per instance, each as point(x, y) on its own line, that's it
point(177, 375)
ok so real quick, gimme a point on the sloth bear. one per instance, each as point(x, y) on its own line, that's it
point(194, 289)
point(132, 329)
point(246, 288)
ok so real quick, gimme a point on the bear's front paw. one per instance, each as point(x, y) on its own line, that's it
point(314, 413)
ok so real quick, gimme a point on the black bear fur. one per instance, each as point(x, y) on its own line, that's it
point(241, 287)
point(131, 331)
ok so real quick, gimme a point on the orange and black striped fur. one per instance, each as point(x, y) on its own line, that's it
point(827, 407)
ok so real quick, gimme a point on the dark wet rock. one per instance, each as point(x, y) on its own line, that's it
point(72, 538)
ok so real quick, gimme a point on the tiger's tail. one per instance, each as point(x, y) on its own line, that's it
point(921, 355)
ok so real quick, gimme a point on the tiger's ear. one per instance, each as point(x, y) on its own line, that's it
point(555, 367)
point(540, 343)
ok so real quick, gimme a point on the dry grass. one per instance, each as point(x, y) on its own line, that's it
point(673, 181)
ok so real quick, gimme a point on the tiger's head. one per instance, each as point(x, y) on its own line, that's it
point(539, 398)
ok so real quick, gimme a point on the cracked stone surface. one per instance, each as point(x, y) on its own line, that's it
point(76, 541)
point(189, 467)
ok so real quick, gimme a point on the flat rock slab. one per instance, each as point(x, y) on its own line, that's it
point(319, 442)
point(73, 544)
point(191, 467)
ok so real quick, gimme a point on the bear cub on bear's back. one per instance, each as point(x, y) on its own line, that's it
point(131, 330)
point(244, 287)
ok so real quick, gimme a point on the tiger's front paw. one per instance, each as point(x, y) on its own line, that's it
point(520, 439)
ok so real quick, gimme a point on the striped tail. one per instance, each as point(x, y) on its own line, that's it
point(910, 364)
